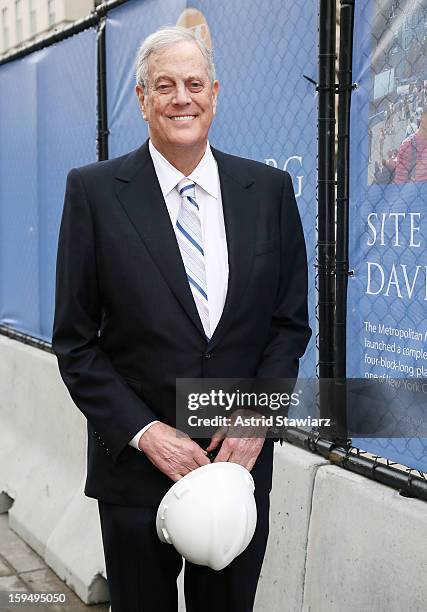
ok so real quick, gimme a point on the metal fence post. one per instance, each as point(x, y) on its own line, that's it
point(326, 186)
point(342, 229)
point(342, 263)
point(102, 111)
point(326, 210)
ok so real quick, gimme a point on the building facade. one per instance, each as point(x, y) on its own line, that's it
point(25, 21)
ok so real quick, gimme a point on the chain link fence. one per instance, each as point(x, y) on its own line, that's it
point(267, 111)
point(387, 323)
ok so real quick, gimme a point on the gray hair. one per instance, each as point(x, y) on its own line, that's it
point(166, 37)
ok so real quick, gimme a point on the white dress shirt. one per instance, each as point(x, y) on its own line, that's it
point(208, 196)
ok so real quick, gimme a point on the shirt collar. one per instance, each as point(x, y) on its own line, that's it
point(205, 174)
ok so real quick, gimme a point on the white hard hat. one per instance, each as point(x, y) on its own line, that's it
point(210, 514)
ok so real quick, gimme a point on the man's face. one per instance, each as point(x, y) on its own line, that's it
point(180, 102)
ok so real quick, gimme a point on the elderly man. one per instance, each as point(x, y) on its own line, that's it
point(175, 260)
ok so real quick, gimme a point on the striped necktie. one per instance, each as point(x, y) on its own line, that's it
point(190, 242)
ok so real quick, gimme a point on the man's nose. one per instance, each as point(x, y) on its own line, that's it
point(181, 95)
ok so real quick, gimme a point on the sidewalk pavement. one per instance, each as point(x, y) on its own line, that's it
point(23, 571)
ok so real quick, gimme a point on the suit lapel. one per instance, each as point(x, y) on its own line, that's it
point(139, 192)
point(240, 216)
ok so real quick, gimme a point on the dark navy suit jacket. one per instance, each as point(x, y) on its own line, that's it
point(126, 325)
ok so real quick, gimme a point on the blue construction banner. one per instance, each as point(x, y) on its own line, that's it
point(47, 126)
point(266, 111)
point(387, 302)
point(19, 244)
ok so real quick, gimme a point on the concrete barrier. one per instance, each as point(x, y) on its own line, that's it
point(281, 583)
point(366, 547)
point(42, 459)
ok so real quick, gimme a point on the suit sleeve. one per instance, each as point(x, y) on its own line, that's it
point(290, 331)
point(109, 404)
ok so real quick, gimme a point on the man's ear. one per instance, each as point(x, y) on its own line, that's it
point(141, 98)
point(215, 89)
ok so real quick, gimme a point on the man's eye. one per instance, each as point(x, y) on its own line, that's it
point(163, 87)
point(196, 86)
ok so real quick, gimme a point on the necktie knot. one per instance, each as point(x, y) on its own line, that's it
point(186, 188)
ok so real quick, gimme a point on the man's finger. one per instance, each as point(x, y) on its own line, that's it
point(223, 455)
point(201, 459)
point(250, 464)
point(218, 436)
point(241, 460)
point(213, 443)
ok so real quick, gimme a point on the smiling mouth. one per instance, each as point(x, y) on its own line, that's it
point(183, 117)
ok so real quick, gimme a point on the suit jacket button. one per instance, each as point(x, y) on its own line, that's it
point(207, 355)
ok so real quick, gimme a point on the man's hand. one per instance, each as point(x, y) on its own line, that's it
point(236, 446)
point(171, 450)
